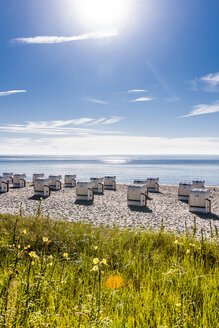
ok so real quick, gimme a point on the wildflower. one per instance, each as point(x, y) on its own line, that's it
point(104, 261)
point(95, 247)
point(102, 272)
point(188, 251)
point(24, 231)
point(18, 246)
point(114, 282)
point(178, 304)
point(96, 260)
point(41, 198)
point(194, 215)
point(176, 242)
point(65, 255)
point(45, 240)
point(50, 257)
point(192, 244)
point(34, 255)
point(50, 264)
point(32, 263)
point(95, 268)
point(67, 258)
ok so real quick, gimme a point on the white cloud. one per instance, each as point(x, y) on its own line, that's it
point(142, 99)
point(137, 90)
point(97, 101)
point(11, 92)
point(105, 144)
point(172, 99)
point(113, 119)
point(68, 127)
point(60, 39)
point(208, 83)
point(204, 109)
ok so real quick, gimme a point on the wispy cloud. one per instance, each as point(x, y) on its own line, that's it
point(69, 127)
point(61, 39)
point(11, 92)
point(172, 99)
point(97, 101)
point(204, 109)
point(208, 83)
point(142, 99)
point(137, 90)
point(113, 119)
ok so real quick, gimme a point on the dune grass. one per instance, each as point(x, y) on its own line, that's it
point(61, 274)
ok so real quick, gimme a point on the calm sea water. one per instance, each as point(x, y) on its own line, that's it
point(170, 169)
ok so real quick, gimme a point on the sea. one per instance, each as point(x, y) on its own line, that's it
point(170, 169)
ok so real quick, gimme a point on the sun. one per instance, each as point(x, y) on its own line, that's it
point(102, 13)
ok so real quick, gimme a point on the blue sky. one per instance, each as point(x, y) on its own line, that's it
point(103, 77)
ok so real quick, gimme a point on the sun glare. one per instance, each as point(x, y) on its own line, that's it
point(103, 13)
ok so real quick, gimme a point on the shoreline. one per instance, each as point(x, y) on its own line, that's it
point(111, 208)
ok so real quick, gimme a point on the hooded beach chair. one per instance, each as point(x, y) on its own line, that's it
point(199, 200)
point(8, 177)
point(19, 180)
point(136, 195)
point(110, 182)
point(152, 184)
point(55, 182)
point(97, 185)
point(84, 191)
point(41, 187)
point(198, 184)
point(70, 180)
point(184, 190)
point(142, 182)
point(37, 176)
point(4, 185)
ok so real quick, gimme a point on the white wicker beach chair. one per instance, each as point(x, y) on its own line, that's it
point(70, 180)
point(97, 185)
point(41, 187)
point(142, 182)
point(110, 182)
point(184, 190)
point(37, 176)
point(54, 182)
point(84, 191)
point(8, 177)
point(19, 180)
point(4, 185)
point(136, 195)
point(198, 184)
point(152, 184)
point(199, 200)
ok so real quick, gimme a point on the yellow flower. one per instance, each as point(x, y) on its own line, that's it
point(102, 272)
point(194, 215)
point(104, 261)
point(95, 268)
point(45, 239)
point(188, 251)
point(50, 264)
point(32, 263)
point(28, 246)
point(67, 258)
point(114, 282)
point(65, 255)
point(96, 260)
point(178, 304)
point(176, 242)
point(24, 231)
point(95, 247)
point(41, 198)
point(34, 255)
point(18, 246)
point(50, 257)
point(192, 244)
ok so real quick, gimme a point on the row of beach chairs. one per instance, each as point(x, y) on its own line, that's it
point(194, 192)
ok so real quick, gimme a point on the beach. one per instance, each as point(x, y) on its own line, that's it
point(111, 208)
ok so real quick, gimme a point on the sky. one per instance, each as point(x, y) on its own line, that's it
point(109, 77)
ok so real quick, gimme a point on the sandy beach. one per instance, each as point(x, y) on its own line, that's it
point(111, 208)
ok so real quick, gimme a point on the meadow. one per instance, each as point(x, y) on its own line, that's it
point(62, 274)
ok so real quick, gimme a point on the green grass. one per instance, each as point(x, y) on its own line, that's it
point(169, 280)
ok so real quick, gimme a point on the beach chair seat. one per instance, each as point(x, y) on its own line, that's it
point(184, 190)
point(4, 185)
point(97, 185)
point(55, 182)
point(8, 177)
point(142, 182)
point(37, 176)
point(110, 182)
point(70, 180)
point(198, 184)
point(84, 191)
point(199, 200)
point(41, 187)
point(152, 184)
point(19, 180)
point(136, 195)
